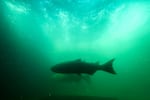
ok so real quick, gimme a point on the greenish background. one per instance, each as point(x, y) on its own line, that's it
point(36, 34)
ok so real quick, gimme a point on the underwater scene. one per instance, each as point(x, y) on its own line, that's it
point(75, 49)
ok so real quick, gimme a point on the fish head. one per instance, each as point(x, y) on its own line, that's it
point(55, 68)
point(59, 68)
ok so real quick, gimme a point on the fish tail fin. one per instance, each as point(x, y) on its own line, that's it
point(108, 67)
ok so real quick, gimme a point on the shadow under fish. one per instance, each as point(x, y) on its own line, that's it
point(71, 78)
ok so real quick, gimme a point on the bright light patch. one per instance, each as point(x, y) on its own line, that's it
point(65, 19)
point(16, 7)
point(45, 13)
point(122, 31)
point(84, 27)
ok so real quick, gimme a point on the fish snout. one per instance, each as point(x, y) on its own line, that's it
point(53, 69)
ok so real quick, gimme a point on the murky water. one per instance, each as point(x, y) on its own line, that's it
point(37, 34)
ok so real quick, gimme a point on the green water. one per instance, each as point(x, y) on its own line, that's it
point(37, 34)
